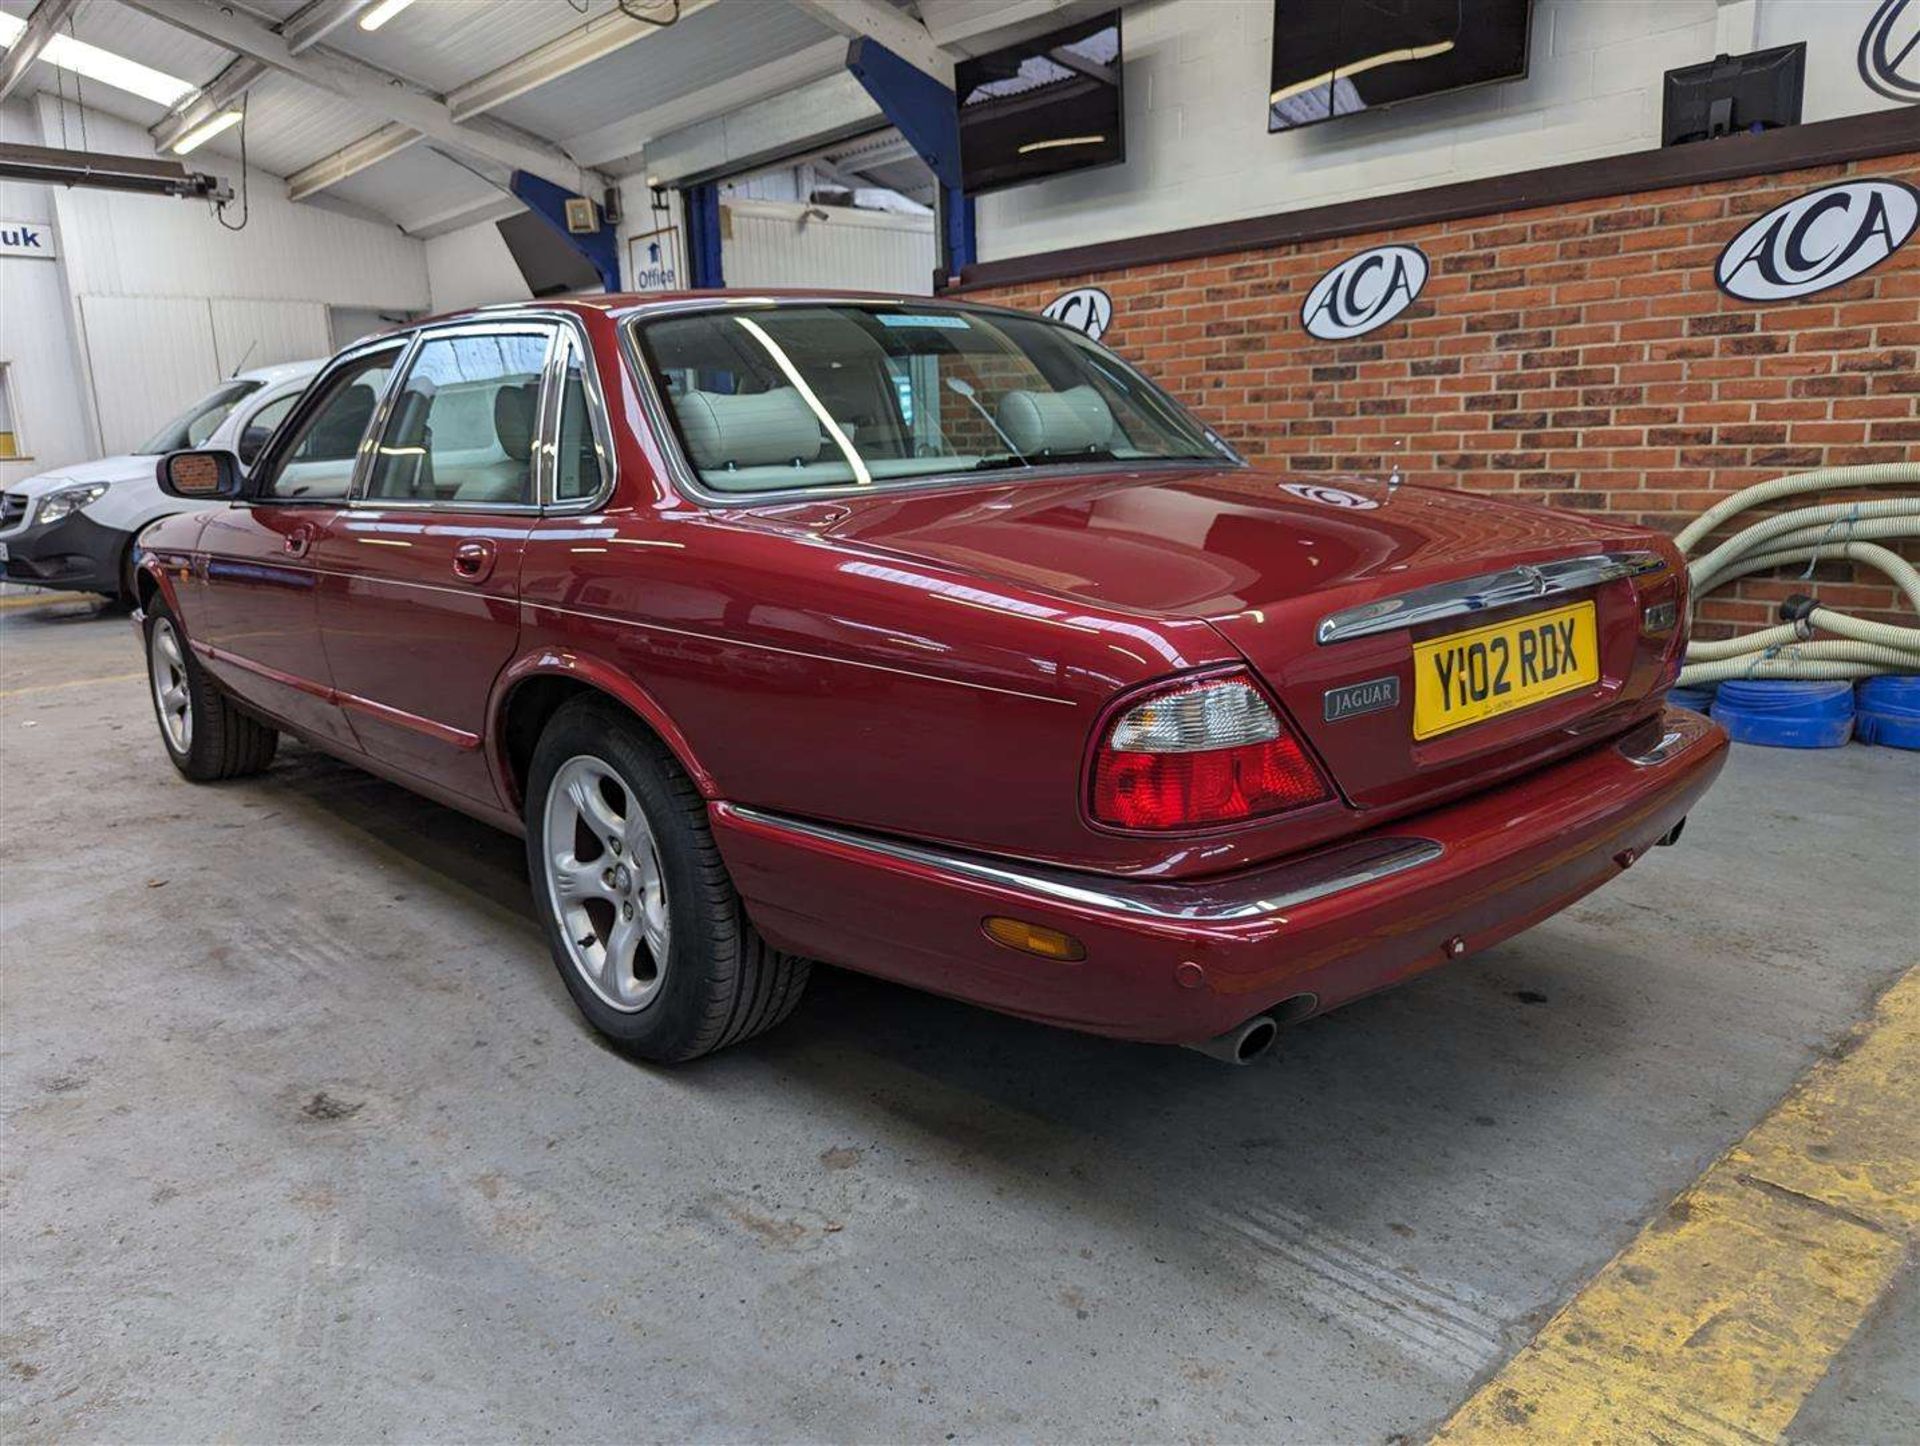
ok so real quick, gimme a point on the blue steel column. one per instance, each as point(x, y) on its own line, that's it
point(549, 202)
point(701, 205)
point(927, 113)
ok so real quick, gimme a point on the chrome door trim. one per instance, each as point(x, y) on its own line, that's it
point(1282, 887)
point(1486, 590)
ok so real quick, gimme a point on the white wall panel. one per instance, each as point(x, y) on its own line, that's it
point(129, 245)
point(778, 243)
point(472, 267)
point(1198, 151)
point(150, 356)
point(260, 333)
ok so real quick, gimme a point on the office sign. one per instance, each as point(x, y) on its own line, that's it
point(27, 238)
point(653, 261)
point(1818, 240)
point(1088, 309)
point(1364, 292)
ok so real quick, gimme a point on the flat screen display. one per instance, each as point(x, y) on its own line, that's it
point(1339, 57)
point(1045, 106)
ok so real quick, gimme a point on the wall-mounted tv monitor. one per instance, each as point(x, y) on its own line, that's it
point(1047, 105)
point(1340, 57)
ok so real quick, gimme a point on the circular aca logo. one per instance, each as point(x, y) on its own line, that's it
point(1363, 292)
point(1088, 309)
point(1818, 240)
point(1890, 51)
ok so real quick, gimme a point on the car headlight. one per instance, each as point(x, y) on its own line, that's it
point(56, 505)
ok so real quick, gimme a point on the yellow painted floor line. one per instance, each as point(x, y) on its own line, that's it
point(47, 600)
point(70, 683)
point(1726, 1311)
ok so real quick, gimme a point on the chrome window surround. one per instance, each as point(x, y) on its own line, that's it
point(1317, 876)
point(564, 328)
point(1487, 590)
point(687, 482)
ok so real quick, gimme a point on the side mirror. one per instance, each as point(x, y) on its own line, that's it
point(206, 475)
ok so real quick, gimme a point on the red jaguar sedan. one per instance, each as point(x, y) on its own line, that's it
point(929, 640)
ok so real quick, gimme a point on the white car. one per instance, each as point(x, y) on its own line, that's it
point(74, 527)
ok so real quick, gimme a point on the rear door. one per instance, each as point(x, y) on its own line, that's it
point(419, 608)
point(254, 603)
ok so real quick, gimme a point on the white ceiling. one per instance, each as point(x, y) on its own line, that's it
point(436, 46)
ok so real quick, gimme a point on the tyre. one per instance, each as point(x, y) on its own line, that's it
point(206, 736)
point(645, 926)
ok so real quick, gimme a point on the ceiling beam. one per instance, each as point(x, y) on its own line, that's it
point(350, 160)
point(627, 137)
point(582, 45)
point(45, 22)
point(383, 94)
point(898, 31)
point(217, 95)
point(311, 24)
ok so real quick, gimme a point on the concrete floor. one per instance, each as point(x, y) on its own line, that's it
point(305, 1140)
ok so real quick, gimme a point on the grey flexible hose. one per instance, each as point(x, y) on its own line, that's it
point(1858, 647)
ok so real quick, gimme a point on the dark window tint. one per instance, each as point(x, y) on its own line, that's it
point(318, 462)
point(577, 470)
point(259, 427)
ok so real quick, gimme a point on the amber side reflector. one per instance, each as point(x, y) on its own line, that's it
point(1033, 938)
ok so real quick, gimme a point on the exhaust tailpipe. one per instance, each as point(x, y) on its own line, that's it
point(1242, 1044)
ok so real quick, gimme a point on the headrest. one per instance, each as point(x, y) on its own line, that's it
point(754, 429)
point(513, 409)
point(1076, 420)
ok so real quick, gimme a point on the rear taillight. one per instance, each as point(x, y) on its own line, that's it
point(1200, 754)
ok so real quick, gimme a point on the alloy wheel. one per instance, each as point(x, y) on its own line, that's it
point(605, 883)
point(167, 666)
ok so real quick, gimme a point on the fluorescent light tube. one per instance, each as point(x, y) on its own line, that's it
point(103, 65)
point(206, 131)
point(1359, 67)
point(381, 13)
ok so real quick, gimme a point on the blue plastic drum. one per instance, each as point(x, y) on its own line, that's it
point(1887, 711)
point(1783, 714)
point(1698, 699)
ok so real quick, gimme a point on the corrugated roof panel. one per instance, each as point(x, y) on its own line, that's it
point(415, 186)
point(151, 42)
point(290, 125)
point(446, 43)
point(708, 46)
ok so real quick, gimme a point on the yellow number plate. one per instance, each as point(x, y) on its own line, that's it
point(1469, 677)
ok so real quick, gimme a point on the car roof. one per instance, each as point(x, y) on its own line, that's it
point(622, 303)
point(281, 371)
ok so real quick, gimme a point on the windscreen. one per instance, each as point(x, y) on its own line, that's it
point(199, 421)
point(776, 398)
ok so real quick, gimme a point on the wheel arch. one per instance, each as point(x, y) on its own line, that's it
point(537, 686)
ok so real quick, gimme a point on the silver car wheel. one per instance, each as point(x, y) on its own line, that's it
point(167, 667)
point(604, 883)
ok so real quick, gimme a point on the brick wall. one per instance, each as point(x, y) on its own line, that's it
point(1579, 354)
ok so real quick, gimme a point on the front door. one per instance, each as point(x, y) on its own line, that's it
point(257, 623)
point(419, 608)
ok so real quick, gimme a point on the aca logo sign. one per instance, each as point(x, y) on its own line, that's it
point(1818, 240)
point(1089, 309)
point(1364, 292)
point(1890, 51)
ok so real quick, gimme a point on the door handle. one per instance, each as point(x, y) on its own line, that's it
point(297, 541)
point(473, 559)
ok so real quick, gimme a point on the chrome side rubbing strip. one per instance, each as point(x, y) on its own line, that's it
point(1488, 590)
point(1277, 889)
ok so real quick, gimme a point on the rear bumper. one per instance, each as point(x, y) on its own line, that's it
point(1180, 962)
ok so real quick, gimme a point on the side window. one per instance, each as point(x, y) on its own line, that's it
point(318, 461)
point(578, 473)
point(260, 426)
point(462, 427)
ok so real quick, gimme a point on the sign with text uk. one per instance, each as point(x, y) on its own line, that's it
point(26, 238)
point(1818, 240)
point(1363, 292)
